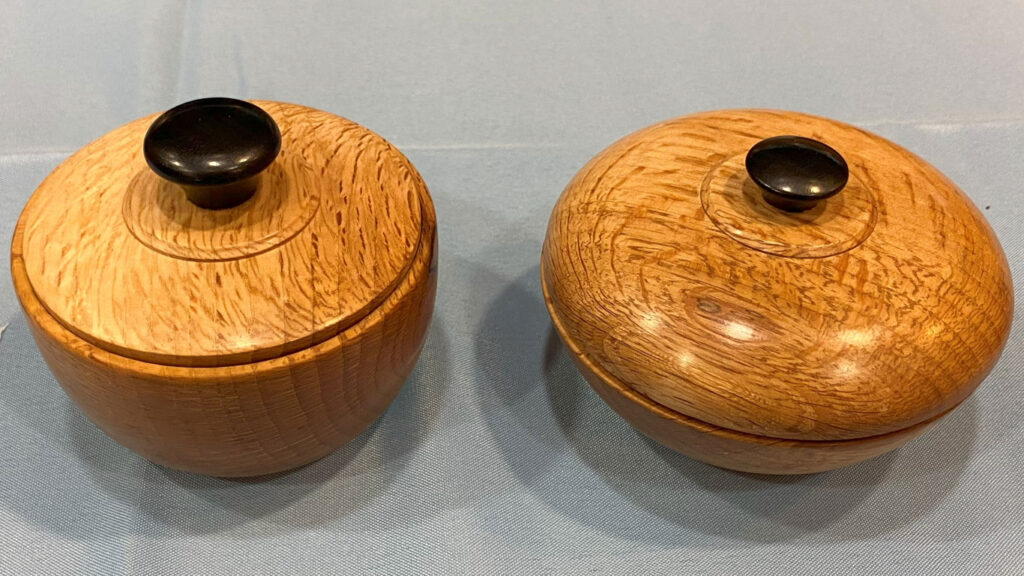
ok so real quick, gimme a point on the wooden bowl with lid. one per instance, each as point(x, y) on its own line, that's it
point(230, 288)
point(773, 292)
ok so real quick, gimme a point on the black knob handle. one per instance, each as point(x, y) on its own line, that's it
point(795, 173)
point(214, 148)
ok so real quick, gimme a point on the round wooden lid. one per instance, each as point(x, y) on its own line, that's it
point(868, 312)
point(125, 260)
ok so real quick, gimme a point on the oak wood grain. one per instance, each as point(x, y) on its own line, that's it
point(728, 448)
point(125, 261)
point(277, 413)
point(879, 310)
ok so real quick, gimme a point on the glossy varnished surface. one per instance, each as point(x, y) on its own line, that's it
point(260, 268)
point(735, 205)
point(795, 172)
point(211, 141)
point(727, 448)
point(848, 321)
point(124, 260)
point(251, 419)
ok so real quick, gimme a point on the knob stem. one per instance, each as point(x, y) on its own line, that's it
point(222, 196)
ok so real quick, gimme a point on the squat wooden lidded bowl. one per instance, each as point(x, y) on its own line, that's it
point(774, 292)
point(247, 310)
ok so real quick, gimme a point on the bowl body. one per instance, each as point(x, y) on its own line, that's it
point(250, 418)
point(762, 338)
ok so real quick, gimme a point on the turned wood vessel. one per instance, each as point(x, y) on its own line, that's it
point(230, 288)
point(774, 292)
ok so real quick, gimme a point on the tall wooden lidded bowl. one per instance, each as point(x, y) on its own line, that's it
point(774, 292)
point(234, 288)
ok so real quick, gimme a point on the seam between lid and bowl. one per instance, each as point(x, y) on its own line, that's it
point(795, 375)
point(23, 287)
point(101, 283)
point(680, 418)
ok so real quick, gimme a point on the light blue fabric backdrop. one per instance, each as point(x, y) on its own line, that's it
point(497, 458)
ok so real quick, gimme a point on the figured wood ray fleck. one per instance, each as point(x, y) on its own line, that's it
point(874, 313)
point(251, 416)
point(331, 230)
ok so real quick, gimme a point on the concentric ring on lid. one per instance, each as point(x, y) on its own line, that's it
point(331, 230)
point(828, 324)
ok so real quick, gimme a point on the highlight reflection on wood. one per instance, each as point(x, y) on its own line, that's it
point(143, 318)
point(763, 340)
